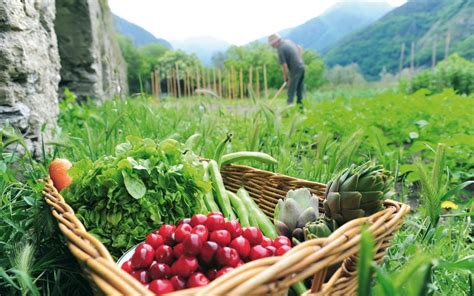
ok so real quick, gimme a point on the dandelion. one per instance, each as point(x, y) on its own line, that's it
point(449, 205)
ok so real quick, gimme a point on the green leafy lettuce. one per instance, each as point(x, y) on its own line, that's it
point(122, 198)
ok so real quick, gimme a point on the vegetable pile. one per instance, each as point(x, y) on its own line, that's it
point(198, 250)
point(144, 185)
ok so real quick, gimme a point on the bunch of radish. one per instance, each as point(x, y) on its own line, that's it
point(198, 250)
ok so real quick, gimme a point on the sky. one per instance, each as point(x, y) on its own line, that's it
point(237, 22)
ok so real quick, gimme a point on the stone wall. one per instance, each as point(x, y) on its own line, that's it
point(31, 54)
point(92, 64)
point(29, 67)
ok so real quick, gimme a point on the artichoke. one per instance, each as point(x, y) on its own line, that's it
point(356, 192)
point(297, 209)
point(322, 227)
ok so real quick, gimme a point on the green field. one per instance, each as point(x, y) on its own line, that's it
point(332, 131)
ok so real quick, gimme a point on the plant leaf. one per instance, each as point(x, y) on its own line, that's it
point(135, 186)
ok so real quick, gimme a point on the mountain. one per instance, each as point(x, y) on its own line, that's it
point(203, 46)
point(423, 22)
point(343, 18)
point(138, 35)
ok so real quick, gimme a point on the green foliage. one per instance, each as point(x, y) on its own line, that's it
point(455, 72)
point(34, 259)
point(345, 75)
point(257, 54)
point(143, 185)
point(421, 22)
point(142, 61)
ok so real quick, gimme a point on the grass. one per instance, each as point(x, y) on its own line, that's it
point(313, 143)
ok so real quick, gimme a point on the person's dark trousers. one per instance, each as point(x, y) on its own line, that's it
point(296, 86)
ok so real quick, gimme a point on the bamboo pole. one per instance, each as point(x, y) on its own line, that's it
point(258, 82)
point(173, 82)
point(209, 82)
point(178, 86)
point(185, 83)
point(265, 81)
point(433, 54)
point(241, 78)
point(214, 80)
point(190, 81)
point(220, 82)
point(412, 58)
point(234, 83)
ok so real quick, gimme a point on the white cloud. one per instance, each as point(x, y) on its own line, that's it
point(237, 22)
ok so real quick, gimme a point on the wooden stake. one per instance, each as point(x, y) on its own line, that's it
point(234, 84)
point(433, 54)
point(402, 57)
point(227, 78)
point(209, 82)
point(158, 84)
point(214, 80)
point(173, 83)
point(220, 82)
point(250, 83)
point(258, 82)
point(446, 47)
point(178, 84)
point(265, 81)
point(198, 78)
point(168, 83)
point(152, 76)
point(241, 78)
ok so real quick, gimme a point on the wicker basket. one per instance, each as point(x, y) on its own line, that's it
point(272, 275)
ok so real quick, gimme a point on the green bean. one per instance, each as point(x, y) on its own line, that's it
point(208, 197)
point(240, 209)
point(221, 195)
point(264, 223)
point(247, 155)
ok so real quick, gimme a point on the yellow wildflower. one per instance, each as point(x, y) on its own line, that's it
point(449, 205)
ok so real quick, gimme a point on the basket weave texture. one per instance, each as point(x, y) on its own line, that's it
point(273, 275)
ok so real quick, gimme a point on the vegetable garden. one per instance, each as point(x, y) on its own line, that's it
point(139, 164)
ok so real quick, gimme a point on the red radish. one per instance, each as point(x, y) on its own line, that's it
point(142, 276)
point(166, 229)
point(211, 274)
point(266, 242)
point(234, 228)
point(154, 240)
point(127, 266)
point(215, 222)
point(58, 169)
point(272, 249)
point(178, 282)
point(208, 250)
point(178, 250)
point(164, 254)
point(161, 286)
point(281, 241)
point(198, 219)
point(184, 221)
point(197, 280)
point(159, 271)
point(192, 244)
point(185, 266)
point(143, 256)
point(241, 245)
point(227, 257)
point(215, 213)
point(224, 270)
point(221, 237)
point(202, 231)
point(282, 250)
point(182, 232)
point(253, 235)
point(258, 252)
